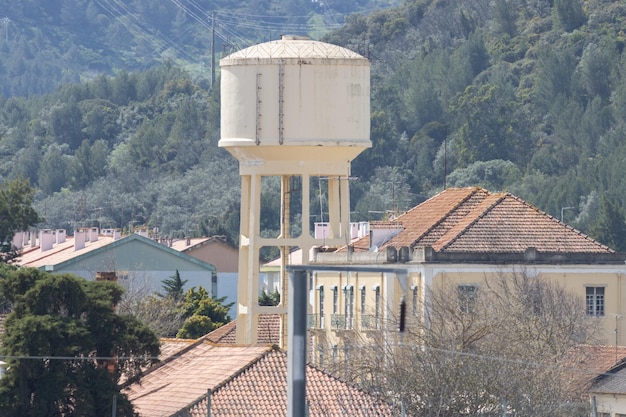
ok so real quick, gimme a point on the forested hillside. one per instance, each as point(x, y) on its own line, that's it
point(527, 96)
point(47, 43)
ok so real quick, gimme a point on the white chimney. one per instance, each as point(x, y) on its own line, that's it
point(93, 234)
point(117, 234)
point(79, 239)
point(33, 239)
point(60, 234)
point(46, 239)
point(18, 240)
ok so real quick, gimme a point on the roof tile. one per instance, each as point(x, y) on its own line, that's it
point(470, 220)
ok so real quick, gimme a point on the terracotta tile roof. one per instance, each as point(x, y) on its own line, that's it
point(260, 389)
point(268, 331)
point(65, 251)
point(170, 346)
point(186, 376)
point(588, 365)
point(182, 245)
point(463, 220)
point(60, 252)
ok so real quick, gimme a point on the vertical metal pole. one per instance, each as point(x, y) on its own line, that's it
point(212, 49)
point(296, 347)
point(114, 406)
point(208, 403)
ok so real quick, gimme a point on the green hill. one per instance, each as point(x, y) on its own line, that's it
point(527, 96)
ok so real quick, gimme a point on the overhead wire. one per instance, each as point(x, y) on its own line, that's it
point(357, 348)
point(139, 27)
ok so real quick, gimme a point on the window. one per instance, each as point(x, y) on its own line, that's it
point(335, 300)
point(415, 309)
point(595, 301)
point(363, 299)
point(321, 307)
point(377, 305)
point(349, 305)
point(467, 298)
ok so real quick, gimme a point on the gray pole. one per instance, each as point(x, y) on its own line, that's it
point(114, 406)
point(296, 344)
point(212, 49)
point(208, 403)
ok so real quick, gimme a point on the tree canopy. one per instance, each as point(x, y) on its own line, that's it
point(202, 313)
point(16, 213)
point(502, 346)
point(525, 97)
point(66, 349)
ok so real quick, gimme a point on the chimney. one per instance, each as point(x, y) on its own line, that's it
point(117, 234)
point(79, 239)
point(60, 235)
point(46, 239)
point(18, 240)
point(33, 239)
point(93, 234)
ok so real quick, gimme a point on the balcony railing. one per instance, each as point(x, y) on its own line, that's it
point(370, 322)
point(338, 321)
point(314, 321)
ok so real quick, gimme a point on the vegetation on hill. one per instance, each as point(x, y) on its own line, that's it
point(46, 44)
point(523, 96)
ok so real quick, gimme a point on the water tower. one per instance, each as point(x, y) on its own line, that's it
point(295, 111)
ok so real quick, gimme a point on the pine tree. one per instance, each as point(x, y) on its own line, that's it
point(173, 286)
point(610, 226)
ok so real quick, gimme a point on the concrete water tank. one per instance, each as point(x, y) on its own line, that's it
point(285, 99)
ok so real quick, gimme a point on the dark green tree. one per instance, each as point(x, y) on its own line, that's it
point(53, 170)
point(66, 347)
point(66, 123)
point(610, 225)
point(16, 213)
point(202, 313)
point(173, 287)
point(488, 127)
point(269, 299)
point(569, 14)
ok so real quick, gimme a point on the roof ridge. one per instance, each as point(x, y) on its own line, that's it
point(471, 192)
point(169, 359)
point(498, 198)
point(229, 379)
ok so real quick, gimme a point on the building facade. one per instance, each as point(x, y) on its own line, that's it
point(460, 237)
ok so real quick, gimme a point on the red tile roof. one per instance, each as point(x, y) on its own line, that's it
point(268, 331)
point(186, 376)
point(588, 363)
point(462, 220)
point(260, 389)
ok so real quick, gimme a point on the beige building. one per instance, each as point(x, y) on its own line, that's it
point(460, 237)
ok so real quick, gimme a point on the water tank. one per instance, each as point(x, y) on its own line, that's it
point(286, 96)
